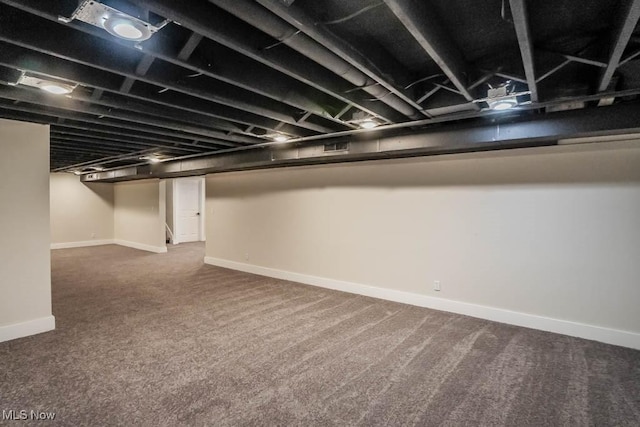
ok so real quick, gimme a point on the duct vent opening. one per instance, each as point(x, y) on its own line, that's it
point(338, 146)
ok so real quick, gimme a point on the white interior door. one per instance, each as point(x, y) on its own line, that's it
point(187, 197)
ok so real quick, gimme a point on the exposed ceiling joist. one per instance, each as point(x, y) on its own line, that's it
point(82, 50)
point(233, 70)
point(630, 13)
point(425, 28)
point(16, 94)
point(122, 143)
point(188, 48)
point(113, 124)
point(89, 129)
point(227, 75)
point(521, 23)
point(323, 47)
point(207, 22)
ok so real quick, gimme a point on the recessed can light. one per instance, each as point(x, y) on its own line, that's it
point(126, 28)
point(127, 31)
point(53, 86)
point(151, 159)
point(368, 124)
point(56, 88)
point(503, 104)
point(116, 22)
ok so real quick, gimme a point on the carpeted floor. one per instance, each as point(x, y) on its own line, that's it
point(147, 339)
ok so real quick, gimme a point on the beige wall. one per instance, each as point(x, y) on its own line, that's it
point(552, 232)
point(80, 212)
point(140, 214)
point(25, 272)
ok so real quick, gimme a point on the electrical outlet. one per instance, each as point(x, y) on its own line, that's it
point(436, 285)
point(93, 235)
point(246, 256)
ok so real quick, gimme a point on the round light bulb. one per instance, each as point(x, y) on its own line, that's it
point(368, 124)
point(280, 138)
point(127, 31)
point(55, 89)
point(126, 28)
point(503, 105)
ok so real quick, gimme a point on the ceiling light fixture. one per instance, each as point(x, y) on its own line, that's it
point(48, 85)
point(368, 124)
point(115, 22)
point(56, 88)
point(280, 138)
point(500, 99)
point(364, 121)
point(503, 97)
point(502, 103)
point(126, 27)
point(151, 159)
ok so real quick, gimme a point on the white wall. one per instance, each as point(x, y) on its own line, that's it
point(81, 213)
point(547, 233)
point(140, 215)
point(25, 266)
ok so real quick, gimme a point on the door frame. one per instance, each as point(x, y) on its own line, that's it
point(176, 207)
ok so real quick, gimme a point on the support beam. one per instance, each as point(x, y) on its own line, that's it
point(521, 23)
point(631, 57)
point(128, 143)
point(323, 47)
point(103, 161)
point(144, 65)
point(304, 117)
point(34, 97)
point(188, 48)
point(554, 70)
point(127, 84)
point(40, 110)
point(586, 61)
point(214, 114)
point(424, 26)
point(472, 136)
point(96, 94)
point(629, 20)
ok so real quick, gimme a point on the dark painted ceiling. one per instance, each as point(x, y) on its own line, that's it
point(226, 75)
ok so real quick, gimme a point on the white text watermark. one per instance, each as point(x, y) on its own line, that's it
point(24, 415)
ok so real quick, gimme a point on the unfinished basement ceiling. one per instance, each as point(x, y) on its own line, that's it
point(229, 76)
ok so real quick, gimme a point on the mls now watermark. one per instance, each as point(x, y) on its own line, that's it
point(23, 415)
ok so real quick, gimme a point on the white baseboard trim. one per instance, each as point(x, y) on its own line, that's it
point(141, 246)
point(68, 245)
point(565, 327)
point(24, 329)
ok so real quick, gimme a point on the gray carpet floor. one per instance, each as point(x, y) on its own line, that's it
point(162, 339)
